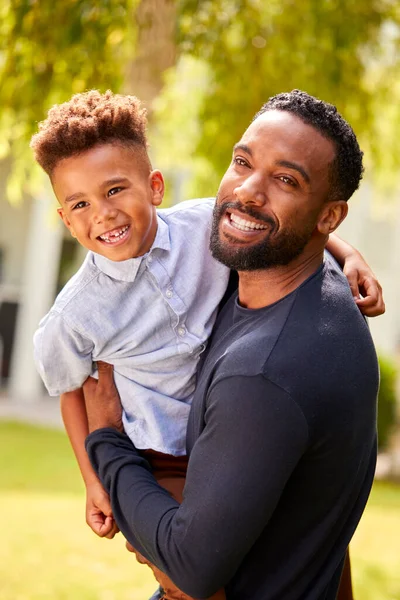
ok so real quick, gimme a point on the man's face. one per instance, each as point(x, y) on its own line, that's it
point(270, 198)
point(108, 198)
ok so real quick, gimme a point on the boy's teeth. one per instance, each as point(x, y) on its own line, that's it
point(112, 236)
point(245, 225)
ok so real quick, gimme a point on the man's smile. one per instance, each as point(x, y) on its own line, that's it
point(244, 224)
point(235, 224)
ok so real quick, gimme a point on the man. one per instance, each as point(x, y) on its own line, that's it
point(281, 435)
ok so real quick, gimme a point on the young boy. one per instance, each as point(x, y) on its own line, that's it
point(144, 300)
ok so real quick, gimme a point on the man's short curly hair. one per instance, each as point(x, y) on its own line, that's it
point(89, 119)
point(347, 168)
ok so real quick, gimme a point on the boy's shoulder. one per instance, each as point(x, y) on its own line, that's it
point(75, 287)
point(195, 211)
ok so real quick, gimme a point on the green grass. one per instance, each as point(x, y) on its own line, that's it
point(47, 552)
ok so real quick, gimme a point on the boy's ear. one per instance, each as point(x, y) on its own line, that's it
point(157, 187)
point(66, 221)
point(331, 215)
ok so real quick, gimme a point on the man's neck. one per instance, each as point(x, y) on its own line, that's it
point(262, 288)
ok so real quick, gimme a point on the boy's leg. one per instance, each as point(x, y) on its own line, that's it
point(345, 588)
point(170, 473)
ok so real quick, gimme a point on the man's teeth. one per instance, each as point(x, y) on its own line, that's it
point(245, 225)
point(112, 236)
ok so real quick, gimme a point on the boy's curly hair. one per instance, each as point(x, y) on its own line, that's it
point(86, 120)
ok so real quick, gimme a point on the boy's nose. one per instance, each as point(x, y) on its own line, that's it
point(104, 212)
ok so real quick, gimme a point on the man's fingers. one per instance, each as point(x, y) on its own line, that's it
point(89, 387)
point(105, 370)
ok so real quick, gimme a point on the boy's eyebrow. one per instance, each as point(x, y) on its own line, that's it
point(114, 180)
point(74, 197)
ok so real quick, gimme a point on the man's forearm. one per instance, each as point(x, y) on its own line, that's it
point(201, 543)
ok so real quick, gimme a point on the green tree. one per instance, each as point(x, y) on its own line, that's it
point(47, 52)
point(335, 49)
point(345, 51)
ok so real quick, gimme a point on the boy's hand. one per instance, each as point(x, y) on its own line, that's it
point(103, 406)
point(99, 515)
point(363, 281)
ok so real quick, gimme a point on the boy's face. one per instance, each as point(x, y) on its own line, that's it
point(108, 197)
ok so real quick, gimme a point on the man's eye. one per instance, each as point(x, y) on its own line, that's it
point(114, 191)
point(80, 204)
point(238, 160)
point(288, 180)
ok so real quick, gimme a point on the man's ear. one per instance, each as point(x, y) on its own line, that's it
point(331, 215)
point(66, 221)
point(157, 187)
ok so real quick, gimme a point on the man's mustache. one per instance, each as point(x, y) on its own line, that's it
point(220, 210)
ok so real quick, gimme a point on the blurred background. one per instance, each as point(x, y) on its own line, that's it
point(203, 69)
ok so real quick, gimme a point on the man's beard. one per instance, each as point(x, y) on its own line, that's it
point(285, 245)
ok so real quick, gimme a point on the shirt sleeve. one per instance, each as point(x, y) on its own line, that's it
point(253, 438)
point(62, 355)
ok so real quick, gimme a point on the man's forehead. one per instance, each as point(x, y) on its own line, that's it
point(285, 132)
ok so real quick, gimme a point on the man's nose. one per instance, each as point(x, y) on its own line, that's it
point(251, 191)
point(104, 211)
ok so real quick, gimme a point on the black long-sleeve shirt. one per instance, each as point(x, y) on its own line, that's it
point(282, 449)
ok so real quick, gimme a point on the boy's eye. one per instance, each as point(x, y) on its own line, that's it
point(114, 191)
point(80, 204)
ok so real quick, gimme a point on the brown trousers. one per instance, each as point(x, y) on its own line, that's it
point(170, 472)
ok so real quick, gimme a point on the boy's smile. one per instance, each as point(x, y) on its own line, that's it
point(108, 196)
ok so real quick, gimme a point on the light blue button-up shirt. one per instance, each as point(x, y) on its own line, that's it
point(150, 317)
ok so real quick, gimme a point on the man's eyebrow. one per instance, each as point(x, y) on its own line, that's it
point(244, 147)
point(296, 167)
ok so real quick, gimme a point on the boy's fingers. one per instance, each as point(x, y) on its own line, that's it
point(372, 305)
point(352, 278)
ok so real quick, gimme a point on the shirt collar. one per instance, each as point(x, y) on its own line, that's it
point(126, 270)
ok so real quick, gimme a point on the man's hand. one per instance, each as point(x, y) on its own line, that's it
point(103, 406)
point(98, 511)
point(365, 287)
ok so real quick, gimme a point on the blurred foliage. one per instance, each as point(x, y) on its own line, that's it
point(234, 54)
point(256, 49)
point(386, 400)
point(48, 51)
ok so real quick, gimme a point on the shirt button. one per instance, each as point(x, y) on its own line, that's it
point(169, 293)
point(150, 259)
point(181, 331)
